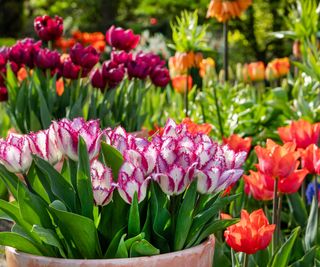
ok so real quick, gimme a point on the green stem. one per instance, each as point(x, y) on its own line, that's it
point(245, 260)
point(279, 216)
point(225, 54)
point(274, 216)
point(50, 45)
point(186, 93)
point(218, 111)
point(316, 190)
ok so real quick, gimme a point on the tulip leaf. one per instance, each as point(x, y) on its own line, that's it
point(10, 180)
point(131, 240)
point(298, 209)
point(36, 184)
point(19, 242)
point(59, 186)
point(45, 115)
point(35, 124)
point(146, 229)
point(282, 256)
point(307, 260)
point(113, 246)
point(312, 226)
point(185, 216)
point(214, 227)
point(143, 248)
point(122, 249)
point(81, 230)
point(112, 158)
point(84, 186)
point(134, 217)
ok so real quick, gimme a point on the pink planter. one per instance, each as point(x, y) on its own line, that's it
point(199, 256)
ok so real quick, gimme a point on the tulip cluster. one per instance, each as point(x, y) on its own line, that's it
point(173, 159)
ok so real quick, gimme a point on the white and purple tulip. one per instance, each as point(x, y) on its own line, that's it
point(102, 183)
point(44, 145)
point(15, 153)
point(68, 132)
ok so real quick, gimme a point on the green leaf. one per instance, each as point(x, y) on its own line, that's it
point(134, 217)
point(81, 230)
point(112, 158)
point(282, 256)
point(112, 249)
point(122, 249)
point(35, 124)
point(185, 216)
point(298, 209)
point(19, 242)
point(36, 184)
point(84, 185)
point(143, 248)
point(130, 241)
point(312, 226)
point(10, 180)
point(59, 186)
point(44, 110)
point(306, 260)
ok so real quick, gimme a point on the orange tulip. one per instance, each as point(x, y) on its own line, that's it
point(311, 159)
point(22, 74)
point(277, 68)
point(300, 132)
point(259, 186)
point(195, 128)
point(256, 71)
point(252, 233)
point(237, 143)
point(59, 87)
point(179, 83)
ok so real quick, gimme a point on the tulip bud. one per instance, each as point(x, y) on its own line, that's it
point(68, 133)
point(3, 94)
point(15, 153)
point(160, 76)
point(97, 80)
point(44, 145)
point(102, 183)
point(48, 28)
point(47, 59)
point(122, 39)
point(85, 57)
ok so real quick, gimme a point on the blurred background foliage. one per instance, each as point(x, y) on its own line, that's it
point(249, 36)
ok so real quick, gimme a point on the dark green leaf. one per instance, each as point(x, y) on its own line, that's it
point(134, 217)
point(122, 249)
point(143, 248)
point(312, 226)
point(112, 158)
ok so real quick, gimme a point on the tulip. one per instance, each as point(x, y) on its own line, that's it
point(206, 67)
point(256, 71)
point(44, 145)
point(259, 185)
point(97, 79)
point(23, 52)
point(138, 69)
point(3, 94)
point(311, 191)
point(151, 59)
point(86, 57)
point(69, 70)
point(237, 144)
point(113, 73)
point(122, 39)
point(160, 76)
point(195, 128)
point(251, 234)
point(311, 159)
point(121, 57)
point(68, 133)
point(4, 55)
point(277, 68)
point(301, 132)
point(47, 59)
point(48, 28)
point(179, 83)
point(15, 153)
point(102, 183)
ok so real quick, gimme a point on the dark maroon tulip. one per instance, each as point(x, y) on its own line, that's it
point(48, 28)
point(47, 59)
point(160, 76)
point(113, 73)
point(97, 79)
point(69, 70)
point(23, 52)
point(3, 94)
point(122, 39)
point(121, 57)
point(152, 59)
point(4, 55)
point(138, 69)
point(86, 57)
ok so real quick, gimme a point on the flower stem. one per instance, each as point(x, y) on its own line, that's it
point(218, 111)
point(186, 93)
point(275, 216)
point(279, 217)
point(245, 260)
point(225, 54)
point(316, 190)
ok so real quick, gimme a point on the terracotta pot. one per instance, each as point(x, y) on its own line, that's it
point(199, 256)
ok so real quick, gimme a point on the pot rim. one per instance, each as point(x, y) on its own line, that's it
point(208, 242)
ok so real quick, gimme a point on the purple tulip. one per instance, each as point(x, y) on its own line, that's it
point(24, 51)
point(97, 79)
point(113, 73)
point(150, 58)
point(47, 59)
point(102, 183)
point(44, 145)
point(160, 76)
point(68, 132)
point(15, 153)
point(86, 57)
point(69, 70)
point(122, 39)
point(48, 28)
point(121, 57)
point(3, 93)
point(138, 69)
point(4, 56)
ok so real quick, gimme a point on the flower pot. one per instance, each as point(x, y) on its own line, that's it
point(199, 256)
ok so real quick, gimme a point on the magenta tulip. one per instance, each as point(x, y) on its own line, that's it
point(47, 59)
point(86, 57)
point(47, 28)
point(121, 57)
point(122, 39)
point(3, 93)
point(69, 70)
point(160, 76)
point(97, 79)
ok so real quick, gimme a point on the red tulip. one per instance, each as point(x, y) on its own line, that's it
point(47, 59)
point(86, 57)
point(48, 28)
point(311, 159)
point(160, 76)
point(237, 143)
point(122, 39)
point(259, 185)
point(251, 234)
point(300, 132)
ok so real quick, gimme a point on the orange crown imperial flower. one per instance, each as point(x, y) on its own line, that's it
point(251, 234)
point(179, 83)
